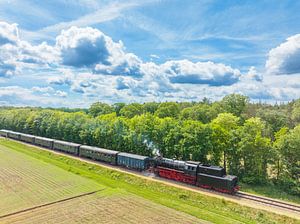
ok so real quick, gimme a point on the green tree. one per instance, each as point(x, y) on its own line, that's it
point(99, 108)
point(256, 151)
point(150, 107)
point(131, 110)
point(275, 119)
point(235, 104)
point(118, 107)
point(289, 147)
point(277, 146)
point(224, 137)
point(168, 109)
point(202, 112)
point(296, 111)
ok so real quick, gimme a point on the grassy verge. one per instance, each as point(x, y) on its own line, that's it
point(201, 206)
point(271, 191)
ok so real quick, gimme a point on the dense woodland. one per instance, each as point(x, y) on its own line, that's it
point(260, 143)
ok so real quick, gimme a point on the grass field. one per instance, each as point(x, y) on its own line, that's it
point(145, 194)
point(27, 183)
point(102, 208)
point(270, 191)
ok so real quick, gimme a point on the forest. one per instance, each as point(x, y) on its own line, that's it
point(258, 142)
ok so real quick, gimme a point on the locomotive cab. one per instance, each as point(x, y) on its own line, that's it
point(191, 168)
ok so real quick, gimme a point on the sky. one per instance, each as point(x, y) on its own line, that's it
point(71, 53)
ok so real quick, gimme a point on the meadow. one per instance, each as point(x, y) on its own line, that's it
point(123, 196)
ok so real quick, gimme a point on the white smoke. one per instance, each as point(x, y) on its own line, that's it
point(151, 146)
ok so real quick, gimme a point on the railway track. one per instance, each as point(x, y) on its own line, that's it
point(269, 201)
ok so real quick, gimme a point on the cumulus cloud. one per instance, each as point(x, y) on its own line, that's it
point(65, 77)
point(17, 55)
point(83, 46)
point(7, 68)
point(285, 59)
point(61, 93)
point(252, 75)
point(40, 54)
point(121, 84)
point(88, 47)
point(209, 73)
point(8, 33)
point(94, 66)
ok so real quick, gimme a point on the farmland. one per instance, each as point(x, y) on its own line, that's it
point(33, 191)
point(133, 200)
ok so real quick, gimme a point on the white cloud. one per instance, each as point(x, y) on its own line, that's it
point(252, 74)
point(19, 96)
point(285, 59)
point(209, 73)
point(42, 89)
point(94, 67)
point(88, 47)
point(61, 93)
point(17, 55)
point(8, 33)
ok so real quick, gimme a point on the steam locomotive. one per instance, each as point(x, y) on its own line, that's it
point(190, 172)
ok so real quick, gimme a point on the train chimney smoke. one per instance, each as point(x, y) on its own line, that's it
point(154, 150)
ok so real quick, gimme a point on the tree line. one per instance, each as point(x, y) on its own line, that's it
point(260, 143)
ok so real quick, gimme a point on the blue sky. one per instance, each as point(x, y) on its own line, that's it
point(73, 53)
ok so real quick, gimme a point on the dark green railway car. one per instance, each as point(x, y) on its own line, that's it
point(3, 133)
point(99, 154)
point(27, 138)
point(13, 135)
point(68, 147)
point(133, 161)
point(45, 142)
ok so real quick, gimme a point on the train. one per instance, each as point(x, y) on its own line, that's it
point(189, 172)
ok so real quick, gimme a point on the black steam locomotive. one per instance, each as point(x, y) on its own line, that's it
point(190, 172)
point(195, 173)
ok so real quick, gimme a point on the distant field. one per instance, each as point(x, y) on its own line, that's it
point(125, 199)
point(104, 209)
point(26, 182)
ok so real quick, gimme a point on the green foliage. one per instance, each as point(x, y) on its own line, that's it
point(275, 119)
point(201, 112)
point(99, 108)
point(296, 111)
point(235, 103)
point(288, 145)
point(168, 109)
point(118, 107)
point(224, 137)
point(150, 107)
point(256, 151)
point(131, 110)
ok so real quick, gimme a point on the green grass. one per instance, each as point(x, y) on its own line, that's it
point(269, 191)
point(198, 205)
point(27, 182)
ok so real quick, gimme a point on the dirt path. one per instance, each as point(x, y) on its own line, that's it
point(148, 176)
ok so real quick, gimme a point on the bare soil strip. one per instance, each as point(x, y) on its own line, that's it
point(47, 204)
